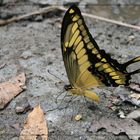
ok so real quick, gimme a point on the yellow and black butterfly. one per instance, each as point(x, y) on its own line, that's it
point(86, 65)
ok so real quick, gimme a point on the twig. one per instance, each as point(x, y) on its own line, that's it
point(112, 21)
point(18, 18)
point(51, 8)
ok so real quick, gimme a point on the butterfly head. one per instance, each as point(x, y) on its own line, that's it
point(67, 87)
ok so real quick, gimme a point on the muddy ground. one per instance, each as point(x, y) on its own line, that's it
point(33, 46)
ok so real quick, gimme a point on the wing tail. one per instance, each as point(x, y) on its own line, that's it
point(134, 60)
point(134, 72)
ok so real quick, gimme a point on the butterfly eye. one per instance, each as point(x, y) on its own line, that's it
point(67, 87)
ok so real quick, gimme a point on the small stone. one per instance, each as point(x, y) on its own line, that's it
point(130, 38)
point(134, 86)
point(116, 101)
point(134, 115)
point(114, 108)
point(26, 54)
point(121, 114)
point(38, 18)
point(22, 106)
point(19, 109)
point(135, 102)
point(135, 95)
point(72, 133)
point(78, 117)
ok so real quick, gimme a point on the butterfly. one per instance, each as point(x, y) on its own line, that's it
point(86, 64)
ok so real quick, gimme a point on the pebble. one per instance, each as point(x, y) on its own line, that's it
point(26, 54)
point(78, 117)
point(121, 114)
point(22, 106)
point(134, 115)
point(39, 18)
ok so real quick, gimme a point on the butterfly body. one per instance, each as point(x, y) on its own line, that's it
point(82, 91)
point(86, 64)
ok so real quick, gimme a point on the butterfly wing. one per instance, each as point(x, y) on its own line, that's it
point(85, 63)
point(75, 43)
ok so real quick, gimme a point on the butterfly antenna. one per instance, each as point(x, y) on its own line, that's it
point(56, 101)
point(69, 101)
point(55, 76)
point(62, 91)
point(58, 107)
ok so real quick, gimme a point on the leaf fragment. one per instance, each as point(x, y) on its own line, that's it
point(35, 126)
point(11, 88)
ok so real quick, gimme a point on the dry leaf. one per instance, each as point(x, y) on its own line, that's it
point(11, 88)
point(35, 126)
point(117, 126)
point(135, 95)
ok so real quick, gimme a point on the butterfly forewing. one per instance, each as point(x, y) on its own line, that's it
point(85, 63)
point(77, 48)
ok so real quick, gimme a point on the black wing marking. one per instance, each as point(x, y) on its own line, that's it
point(108, 70)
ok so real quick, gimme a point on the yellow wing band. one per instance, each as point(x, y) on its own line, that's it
point(92, 95)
